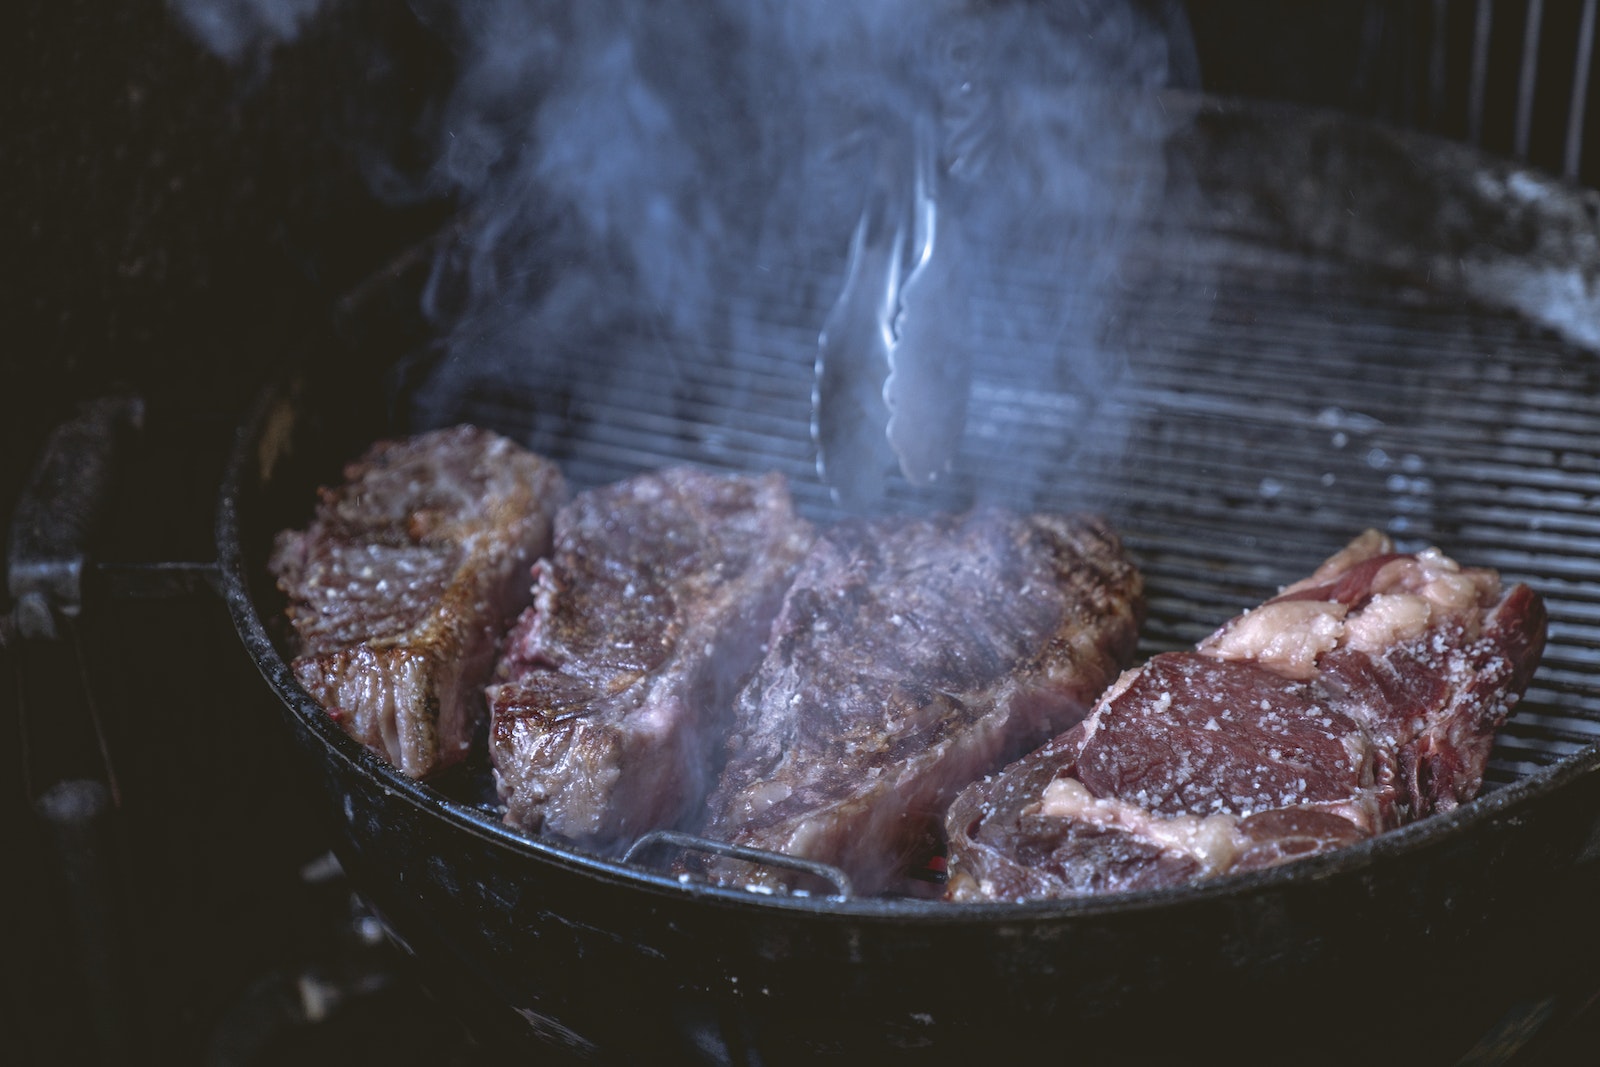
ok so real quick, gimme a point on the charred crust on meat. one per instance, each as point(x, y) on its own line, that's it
point(404, 577)
point(612, 694)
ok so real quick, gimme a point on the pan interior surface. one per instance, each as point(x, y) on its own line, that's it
point(1239, 400)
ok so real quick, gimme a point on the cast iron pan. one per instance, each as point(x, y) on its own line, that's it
point(1386, 945)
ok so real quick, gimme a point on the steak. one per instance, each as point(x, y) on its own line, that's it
point(615, 686)
point(1361, 698)
point(911, 656)
point(405, 578)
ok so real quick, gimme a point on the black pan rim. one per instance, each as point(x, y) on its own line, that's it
point(1436, 830)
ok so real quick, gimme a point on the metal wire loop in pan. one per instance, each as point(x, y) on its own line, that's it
point(673, 839)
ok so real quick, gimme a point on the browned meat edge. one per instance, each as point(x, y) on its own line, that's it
point(910, 656)
point(613, 694)
point(403, 581)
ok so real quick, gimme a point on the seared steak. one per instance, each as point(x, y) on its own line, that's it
point(614, 688)
point(911, 656)
point(1360, 698)
point(404, 579)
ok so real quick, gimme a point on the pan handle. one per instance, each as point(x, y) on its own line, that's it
point(689, 842)
point(59, 511)
point(49, 565)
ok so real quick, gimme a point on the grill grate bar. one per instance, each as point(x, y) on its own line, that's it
point(721, 416)
point(1256, 435)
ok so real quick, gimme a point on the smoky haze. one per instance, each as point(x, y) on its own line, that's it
point(656, 194)
point(639, 179)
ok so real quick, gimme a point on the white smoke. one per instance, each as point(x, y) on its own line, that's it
point(622, 162)
point(626, 167)
point(239, 29)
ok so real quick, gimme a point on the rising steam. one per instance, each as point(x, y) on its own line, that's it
point(238, 30)
point(638, 171)
point(629, 166)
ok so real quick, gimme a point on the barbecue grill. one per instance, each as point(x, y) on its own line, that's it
point(1359, 331)
point(1278, 395)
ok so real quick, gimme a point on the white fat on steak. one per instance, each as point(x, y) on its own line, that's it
point(1360, 698)
point(1405, 596)
point(1212, 841)
point(1288, 637)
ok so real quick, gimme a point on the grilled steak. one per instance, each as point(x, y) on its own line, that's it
point(910, 657)
point(403, 581)
point(615, 686)
point(1360, 698)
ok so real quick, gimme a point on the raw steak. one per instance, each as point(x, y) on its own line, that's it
point(614, 688)
point(1359, 699)
point(911, 656)
point(404, 579)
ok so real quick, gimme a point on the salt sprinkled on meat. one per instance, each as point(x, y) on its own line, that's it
point(612, 693)
point(403, 580)
point(1362, 697)
point(869, 727)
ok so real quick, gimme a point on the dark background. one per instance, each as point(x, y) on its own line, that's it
point(183, 227)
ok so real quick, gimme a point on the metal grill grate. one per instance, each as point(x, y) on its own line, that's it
point(1272, 405)
point(1513, 76)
